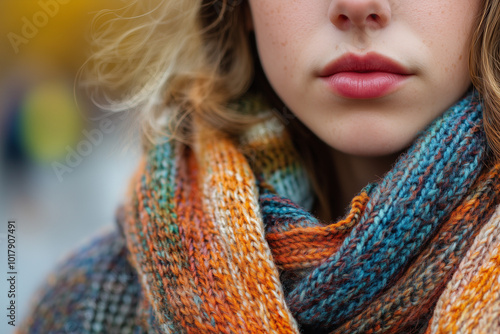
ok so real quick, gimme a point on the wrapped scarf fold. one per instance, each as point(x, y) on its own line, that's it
point(223, 240)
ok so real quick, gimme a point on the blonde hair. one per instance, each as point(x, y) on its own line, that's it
point(168, 60)
point(171, 59)
point(484, 65)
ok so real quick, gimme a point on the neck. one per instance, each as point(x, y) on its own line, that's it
point(353, 173)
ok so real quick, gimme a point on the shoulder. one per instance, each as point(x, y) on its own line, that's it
point(93, 289)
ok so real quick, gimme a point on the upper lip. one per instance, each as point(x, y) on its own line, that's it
point(370, 62)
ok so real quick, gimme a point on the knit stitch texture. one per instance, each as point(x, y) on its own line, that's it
point(218, 237)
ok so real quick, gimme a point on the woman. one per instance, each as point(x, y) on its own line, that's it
point(314, 169)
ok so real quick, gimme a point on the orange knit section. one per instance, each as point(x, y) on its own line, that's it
point(474, 293)
point(320, 242)
point(229, 187)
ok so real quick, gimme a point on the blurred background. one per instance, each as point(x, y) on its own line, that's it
point(64, 164)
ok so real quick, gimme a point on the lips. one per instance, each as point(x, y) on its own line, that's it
point(364, 76)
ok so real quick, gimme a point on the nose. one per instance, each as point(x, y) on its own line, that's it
point(346, 14)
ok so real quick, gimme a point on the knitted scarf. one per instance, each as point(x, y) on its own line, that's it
point(223, 241)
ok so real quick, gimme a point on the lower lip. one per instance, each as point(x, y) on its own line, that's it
point(369, 85)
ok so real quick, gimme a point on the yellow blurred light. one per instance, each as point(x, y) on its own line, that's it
point(50, 122)
point(49, 29)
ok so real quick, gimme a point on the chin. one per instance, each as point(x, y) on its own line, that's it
point(372, 152)
point(372, 147)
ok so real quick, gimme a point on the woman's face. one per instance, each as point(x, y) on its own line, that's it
point(400, 64)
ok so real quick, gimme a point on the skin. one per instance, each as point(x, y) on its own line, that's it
point(296, 39)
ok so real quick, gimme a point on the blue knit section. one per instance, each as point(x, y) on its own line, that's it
point(295, 185)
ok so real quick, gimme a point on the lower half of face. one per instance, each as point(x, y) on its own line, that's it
point(366, 75)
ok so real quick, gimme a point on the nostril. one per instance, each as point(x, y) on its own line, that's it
point(343, 21)
point(346, 16)
point(343, 17)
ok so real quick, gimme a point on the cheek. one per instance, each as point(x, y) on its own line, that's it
point(446, 31)
point(280, 29)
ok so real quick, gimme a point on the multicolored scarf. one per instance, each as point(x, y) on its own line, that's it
point(223, 241)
